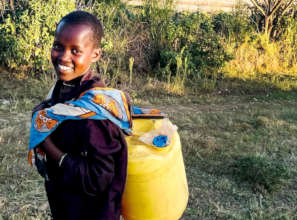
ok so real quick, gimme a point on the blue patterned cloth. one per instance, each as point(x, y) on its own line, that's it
point(97, 103)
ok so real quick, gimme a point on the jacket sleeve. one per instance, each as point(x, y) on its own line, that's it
point(93, 171)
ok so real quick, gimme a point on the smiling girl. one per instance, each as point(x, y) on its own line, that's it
point(85, 160)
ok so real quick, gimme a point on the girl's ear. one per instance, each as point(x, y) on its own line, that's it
point(96, 54)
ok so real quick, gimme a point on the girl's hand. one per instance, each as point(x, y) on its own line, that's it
point(51, 150)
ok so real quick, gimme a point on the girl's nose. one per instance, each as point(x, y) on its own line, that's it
point(64, 56)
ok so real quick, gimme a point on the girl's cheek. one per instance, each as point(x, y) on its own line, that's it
point(54, 54)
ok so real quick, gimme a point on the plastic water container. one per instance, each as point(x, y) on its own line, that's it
point(156, 187)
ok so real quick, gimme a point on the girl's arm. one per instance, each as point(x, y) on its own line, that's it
point(95, 168)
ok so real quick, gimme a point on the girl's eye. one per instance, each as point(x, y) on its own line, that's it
point(57, 47)
point(76, 51)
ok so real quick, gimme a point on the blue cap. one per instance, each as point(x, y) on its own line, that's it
point(160, 141)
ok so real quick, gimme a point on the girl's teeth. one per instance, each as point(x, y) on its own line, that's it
point(64, 67)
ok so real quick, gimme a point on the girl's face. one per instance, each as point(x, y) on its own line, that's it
point(73, 50)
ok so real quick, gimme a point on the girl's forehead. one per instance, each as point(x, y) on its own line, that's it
point(78, 35)
point(73, 29)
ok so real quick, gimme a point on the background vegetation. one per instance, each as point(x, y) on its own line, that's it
point(179, 48)
point(230, 89)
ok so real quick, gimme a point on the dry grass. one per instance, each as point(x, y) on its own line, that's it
point(217, 129)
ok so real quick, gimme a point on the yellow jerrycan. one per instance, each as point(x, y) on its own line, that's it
point(156, 186)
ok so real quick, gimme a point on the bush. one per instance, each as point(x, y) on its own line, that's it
point(258, 59)
point(233, 26)
point(117, 21)
point(288, 42)
point(27, 34)
point(192, 37)
point(180, 47)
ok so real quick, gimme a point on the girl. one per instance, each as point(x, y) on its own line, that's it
point(85, 160)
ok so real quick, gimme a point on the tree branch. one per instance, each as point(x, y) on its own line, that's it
point(276, 7)
point(286, 8)
point(258, 6)
point(267, 5)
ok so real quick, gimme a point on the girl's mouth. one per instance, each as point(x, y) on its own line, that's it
point(64, 68)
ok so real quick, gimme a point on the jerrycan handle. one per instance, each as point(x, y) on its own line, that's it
point(138, 112)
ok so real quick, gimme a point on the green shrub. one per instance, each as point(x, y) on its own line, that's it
point(261, 173)
point(194, 34)
point(288, 42)
point(159, 20)
point(233, 26)
point(117, 21)
point(27, 34)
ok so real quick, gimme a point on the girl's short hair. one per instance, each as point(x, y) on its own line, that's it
point(83, 17)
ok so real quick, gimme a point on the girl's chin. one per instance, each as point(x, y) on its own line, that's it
point(64, 78)
point(67, 77)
